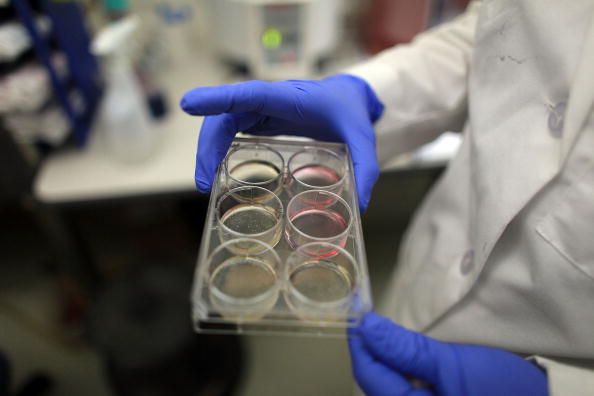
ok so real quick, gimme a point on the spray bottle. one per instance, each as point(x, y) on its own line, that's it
point(123, 114)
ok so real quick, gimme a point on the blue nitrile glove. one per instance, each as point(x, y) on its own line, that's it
point(341, 108)
point(384, 355)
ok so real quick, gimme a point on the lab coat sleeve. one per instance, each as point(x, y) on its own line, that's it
point(423, 85)
point(575, 378)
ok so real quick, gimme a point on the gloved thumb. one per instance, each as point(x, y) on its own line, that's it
point(402, 350)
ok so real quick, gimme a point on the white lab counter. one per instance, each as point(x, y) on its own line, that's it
point(92, 173)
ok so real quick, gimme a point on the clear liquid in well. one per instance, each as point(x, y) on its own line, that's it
point(249, 219)
point(316, 175)
point(255, 171)
point(320, 223)
point(243, 277)
point(321, 281)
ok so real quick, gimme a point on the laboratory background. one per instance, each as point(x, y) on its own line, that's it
point(100, 219)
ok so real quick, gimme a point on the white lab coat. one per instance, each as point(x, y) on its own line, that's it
point(501, 252)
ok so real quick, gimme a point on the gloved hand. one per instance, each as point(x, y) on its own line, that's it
point(384, 354)
point(341, 108)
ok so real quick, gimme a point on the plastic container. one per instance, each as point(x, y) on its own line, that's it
point(308, 274)
point(128, 134)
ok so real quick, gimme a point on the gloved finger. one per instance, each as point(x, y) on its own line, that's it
point(273, 99)
point(273, 126)
point(216, 135)
point(366, 167)
point(403, 350)
point(375, 378)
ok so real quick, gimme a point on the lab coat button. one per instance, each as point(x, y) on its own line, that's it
point(556, 118)
point(467, 263)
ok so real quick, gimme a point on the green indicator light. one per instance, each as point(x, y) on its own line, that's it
point(272, 38)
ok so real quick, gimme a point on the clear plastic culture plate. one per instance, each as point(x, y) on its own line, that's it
point(282, 250)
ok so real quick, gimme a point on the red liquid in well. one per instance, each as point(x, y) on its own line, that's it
point(320, 223)
point(316, 175)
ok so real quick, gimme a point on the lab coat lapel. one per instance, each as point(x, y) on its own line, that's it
point(510, 162)
point(502, 189)
point(581, 96)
